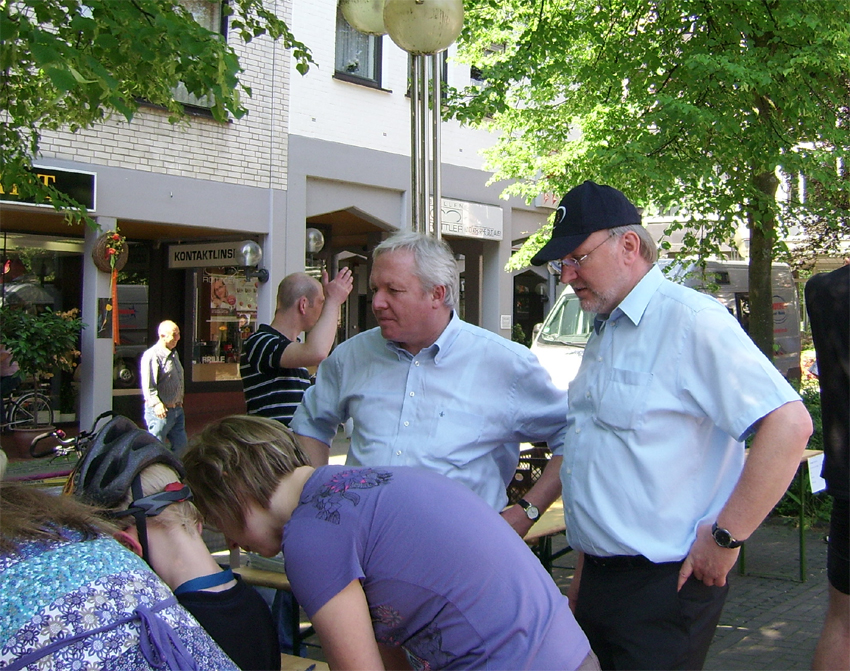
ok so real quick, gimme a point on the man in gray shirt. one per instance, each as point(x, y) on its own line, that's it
point(162, 387)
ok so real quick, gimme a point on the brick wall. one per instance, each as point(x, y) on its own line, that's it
point(251, 151)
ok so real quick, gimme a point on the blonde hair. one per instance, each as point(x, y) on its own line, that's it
point(238, 461)
point(32, 514)
point(154, 479)
point(434, 262)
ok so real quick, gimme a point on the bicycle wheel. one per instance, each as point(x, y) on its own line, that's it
point(31, 410)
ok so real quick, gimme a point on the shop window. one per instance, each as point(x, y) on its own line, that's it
point(225, 315)
point(358, 56)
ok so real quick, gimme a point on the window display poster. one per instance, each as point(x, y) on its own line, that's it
point(226, 313)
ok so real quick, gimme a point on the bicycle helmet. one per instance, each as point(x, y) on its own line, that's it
point(111, 467)
point(119, 452)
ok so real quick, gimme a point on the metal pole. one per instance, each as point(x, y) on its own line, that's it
point(436, 165)
point(422, 141)
point(415, 186)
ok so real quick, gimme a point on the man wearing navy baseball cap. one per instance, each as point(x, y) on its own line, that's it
point(656, 493)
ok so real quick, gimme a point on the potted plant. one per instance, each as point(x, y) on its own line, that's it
point(41, 343)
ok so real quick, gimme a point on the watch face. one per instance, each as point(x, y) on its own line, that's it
point(532, 512)
point(722, 537)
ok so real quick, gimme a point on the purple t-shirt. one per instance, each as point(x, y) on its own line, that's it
point(445, 576)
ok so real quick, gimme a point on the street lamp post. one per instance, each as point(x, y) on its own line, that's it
point(423, 28)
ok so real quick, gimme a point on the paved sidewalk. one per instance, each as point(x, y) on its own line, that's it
point(768, 622)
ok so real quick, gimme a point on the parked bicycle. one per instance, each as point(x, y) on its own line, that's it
point(29, 409)
point(63, 444)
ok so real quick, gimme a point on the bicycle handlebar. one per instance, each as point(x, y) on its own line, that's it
point(58, 434)
point(66, 445)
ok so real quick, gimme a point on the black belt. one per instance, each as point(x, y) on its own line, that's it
point(624, 561)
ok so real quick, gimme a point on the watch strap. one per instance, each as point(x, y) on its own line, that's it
point(527, 507)
point(729, 541)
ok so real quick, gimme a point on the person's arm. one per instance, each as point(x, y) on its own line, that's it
point(543, 494)
point(344, 626)
point(317, 452)
point(318, 342)
point(149, 369)
point(773, 459)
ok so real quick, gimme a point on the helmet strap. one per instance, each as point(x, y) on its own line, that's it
point(141, 520)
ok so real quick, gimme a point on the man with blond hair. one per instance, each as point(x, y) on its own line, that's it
point(427, 389)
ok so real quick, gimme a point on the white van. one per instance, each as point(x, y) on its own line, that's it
point(559, 342)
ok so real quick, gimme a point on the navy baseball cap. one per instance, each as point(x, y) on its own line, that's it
point(586, 208)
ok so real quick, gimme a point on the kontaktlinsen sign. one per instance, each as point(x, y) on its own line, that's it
point(210, 254)
point(471, 220)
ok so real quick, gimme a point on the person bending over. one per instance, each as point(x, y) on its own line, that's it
point(396, 567)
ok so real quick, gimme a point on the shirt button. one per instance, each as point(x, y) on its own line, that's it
point(599, 358)
point(578, 429)
point(412, 394)
point(587, 395)
point(398, 453)
point(407, 423)
point(415, 363)
point(569, 471)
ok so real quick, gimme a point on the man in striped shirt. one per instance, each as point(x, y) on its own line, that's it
point(274, 361)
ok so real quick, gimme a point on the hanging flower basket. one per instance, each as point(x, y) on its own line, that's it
point(110, 255)
point(110, 252)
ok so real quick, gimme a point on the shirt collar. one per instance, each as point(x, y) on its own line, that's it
point(447, 337)
point(634, 304)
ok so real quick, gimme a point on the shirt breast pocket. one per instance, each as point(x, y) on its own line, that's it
point(456, 435)
point(624, 398)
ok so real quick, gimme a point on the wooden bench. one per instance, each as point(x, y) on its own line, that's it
point(293, 663)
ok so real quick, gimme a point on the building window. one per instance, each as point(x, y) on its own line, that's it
point(208, 14)
point(358, 56)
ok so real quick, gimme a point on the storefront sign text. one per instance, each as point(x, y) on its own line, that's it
point(211, 254)
point(81, 186)
point(470, 220)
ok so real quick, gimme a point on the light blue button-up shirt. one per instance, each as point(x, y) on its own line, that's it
point(666, 392)
point(460, 407)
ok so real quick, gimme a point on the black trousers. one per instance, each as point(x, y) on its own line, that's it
point(635, 619)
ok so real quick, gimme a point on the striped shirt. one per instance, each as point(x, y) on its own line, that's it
point(270, 391)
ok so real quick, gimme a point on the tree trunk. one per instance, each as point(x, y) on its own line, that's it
point(762, 225)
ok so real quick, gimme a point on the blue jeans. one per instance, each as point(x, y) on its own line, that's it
point(172, 428)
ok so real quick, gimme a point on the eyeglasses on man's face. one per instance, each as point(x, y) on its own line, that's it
point(556, 267)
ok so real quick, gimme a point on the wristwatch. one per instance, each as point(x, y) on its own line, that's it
point(723, 538)
point(531, 510)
